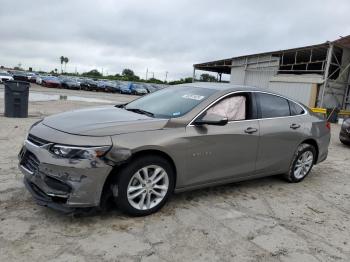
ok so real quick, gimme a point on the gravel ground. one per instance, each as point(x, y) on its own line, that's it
point(259, 220)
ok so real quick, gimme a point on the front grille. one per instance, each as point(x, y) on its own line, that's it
point(37, 141)
point(30, 161)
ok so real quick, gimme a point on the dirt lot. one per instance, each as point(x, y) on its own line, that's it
point(261, 220)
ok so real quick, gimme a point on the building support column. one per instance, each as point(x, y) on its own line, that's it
point(326, 74)
point(194, 75)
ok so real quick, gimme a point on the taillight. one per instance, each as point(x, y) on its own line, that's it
point(328, 125)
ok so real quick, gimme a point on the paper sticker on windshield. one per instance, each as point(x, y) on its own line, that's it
point(176, 113)
point(194, 97)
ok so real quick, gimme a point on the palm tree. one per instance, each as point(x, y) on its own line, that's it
point(66, 60)
point(62, 60)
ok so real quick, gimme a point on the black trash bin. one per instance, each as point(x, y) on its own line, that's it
point(16, 98)
point(332, 114)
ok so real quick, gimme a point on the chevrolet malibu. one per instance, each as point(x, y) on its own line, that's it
point(179, 138)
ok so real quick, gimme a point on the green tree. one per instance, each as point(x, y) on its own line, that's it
point(129, 75)
point(128, 72)
point(66, 60)
point(93, 73)
point(155, 81)
point(181, 81)
point(61, 60)
point(207, 78)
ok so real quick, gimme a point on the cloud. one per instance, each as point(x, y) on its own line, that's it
point(159, 35)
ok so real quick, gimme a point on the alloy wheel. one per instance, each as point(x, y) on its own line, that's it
point(303, 164)
point(148, 187)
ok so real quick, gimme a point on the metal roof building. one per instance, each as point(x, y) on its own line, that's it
point(316, 75)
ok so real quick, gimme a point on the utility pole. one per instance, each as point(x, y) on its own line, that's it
point(153, 75)
point(102, 71)
point(146, 73)
point(166, 76)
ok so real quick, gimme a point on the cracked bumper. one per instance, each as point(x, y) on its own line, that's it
point(44, 200)
point(62, 184)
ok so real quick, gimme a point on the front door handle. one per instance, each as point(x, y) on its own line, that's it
point(294, 126)
point(250, 130)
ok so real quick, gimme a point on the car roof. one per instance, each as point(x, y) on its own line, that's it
point(224, 86)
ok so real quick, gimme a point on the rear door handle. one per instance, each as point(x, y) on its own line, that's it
point(294, 126)
point(250, 130)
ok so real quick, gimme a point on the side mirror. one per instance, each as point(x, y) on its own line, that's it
point(211, 119)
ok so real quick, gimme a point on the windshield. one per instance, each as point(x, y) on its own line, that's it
point(171, 102)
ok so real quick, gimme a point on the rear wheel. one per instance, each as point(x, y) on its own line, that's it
point(145, 185)
point(302, 163)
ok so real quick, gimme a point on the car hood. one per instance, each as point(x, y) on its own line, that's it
point(103, 121)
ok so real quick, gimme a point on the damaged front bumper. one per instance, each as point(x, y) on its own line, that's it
point(58, 183)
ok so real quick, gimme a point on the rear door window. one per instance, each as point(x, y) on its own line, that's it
point(273, 106)
point(295, 109)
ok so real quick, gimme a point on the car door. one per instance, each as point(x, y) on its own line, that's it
point(279, 133)
point(223, 152)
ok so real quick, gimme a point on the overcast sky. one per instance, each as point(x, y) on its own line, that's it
point(159, 35)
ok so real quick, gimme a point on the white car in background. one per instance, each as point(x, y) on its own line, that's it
point(4, 76)
point(39, 79)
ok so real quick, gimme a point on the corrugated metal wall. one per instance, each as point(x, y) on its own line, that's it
point(237, 75)
point(298, 91)
point(254, 71)
point(258, 78)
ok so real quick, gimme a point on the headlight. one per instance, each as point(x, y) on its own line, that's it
point(73, 152)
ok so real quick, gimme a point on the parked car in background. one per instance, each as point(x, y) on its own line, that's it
point(39, 78)
point(19, 76)
point(50, 81)
point(138, 89)
point(344, 135)
point(100, 85)
point(109, 86)
point(125, 88)
point(176, 139)
point(5, 76)
point(70, 83)
point(32, 77)
point(150, 88)
point(88, 84)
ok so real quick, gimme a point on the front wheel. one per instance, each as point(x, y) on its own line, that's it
point(145, 185)
point(303, 161)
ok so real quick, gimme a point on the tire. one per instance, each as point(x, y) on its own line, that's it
point(304, 157)
point(347, 143)
point(127, 179)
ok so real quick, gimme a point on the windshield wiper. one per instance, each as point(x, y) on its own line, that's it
point(140, 111)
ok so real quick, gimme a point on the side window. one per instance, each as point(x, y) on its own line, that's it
point(295, 109)
point(273, 106)
point(234, 108)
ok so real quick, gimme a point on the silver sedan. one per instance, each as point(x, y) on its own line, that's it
point(176, 139)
